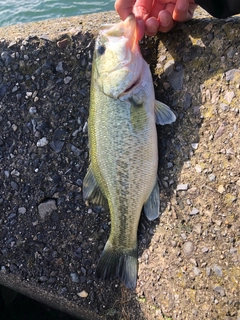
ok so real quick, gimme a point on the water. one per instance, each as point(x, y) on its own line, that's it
point(22, 11)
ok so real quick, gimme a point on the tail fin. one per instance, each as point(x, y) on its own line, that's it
point(121, 264)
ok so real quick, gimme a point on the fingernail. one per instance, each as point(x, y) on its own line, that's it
point(164, 21)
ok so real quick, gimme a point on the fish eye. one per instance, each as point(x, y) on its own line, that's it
point(101, 49)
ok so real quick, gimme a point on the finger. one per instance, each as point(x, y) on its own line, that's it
point(141, 28)
point(124, 8)
point(158, 6)
point(142, 9)
point(180, 12)
point(166, 22)
point(151, 26)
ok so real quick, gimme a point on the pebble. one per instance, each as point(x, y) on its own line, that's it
point(230, 74)
point(212, 177)
point(58, 140)
point(229, 95)
point(198, 168)
point(194, 212)
point(221, 188)
point(83, 294)
point(43, 279)
point(205, 250)
point(59, 67)
point(22, 210)
point(42, 142)
point(217, 270)
point(195, 146)
point(14, 127)
point(46, 208)
point(74, 277)
point(208, 271)
point(182, 187)
point(220, 290)
point(188, 248)
point(14, 185)
point(197, 228)
point(67, 80)
point(85, 127)
point(75, 150)
point(32, 110)
point(193, 261)
point(196, 271)
point(175, 74)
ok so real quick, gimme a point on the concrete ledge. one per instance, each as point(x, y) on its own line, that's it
point(50, 241)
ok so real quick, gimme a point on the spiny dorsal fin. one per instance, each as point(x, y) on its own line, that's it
point(164, 114)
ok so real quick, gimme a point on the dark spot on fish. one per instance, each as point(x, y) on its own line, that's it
point(101, 49)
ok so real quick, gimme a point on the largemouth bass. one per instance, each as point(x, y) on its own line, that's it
point(122, 174)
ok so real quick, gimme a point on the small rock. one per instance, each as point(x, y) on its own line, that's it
point(224, 106)
point(198, 168)
point(220, 290)
point(220, 131)
point(46, 208)
point(205, 249)
point(197, 228)
point(221, 188)
point(182, 187)
point(217, 270)
point(59, 67)
point(188, 248)
point(211, 177)
point(42, 142)
point(22, 210)
point(196, 271)
point(63, 43)
point(43, 279)
point(195, 146)
point(193, 261)
point(169, 165)
point(229, 95)
point(82, 294)
point(75, 150)
point(230, 74)
point(74, 277)
point(184, 236)
point(67, 80)
point(58, 140)
point(32, 110)
point(14, 185)
point(194, 212)
point(85, 127)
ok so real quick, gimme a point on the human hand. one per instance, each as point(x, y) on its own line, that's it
point(156, 15)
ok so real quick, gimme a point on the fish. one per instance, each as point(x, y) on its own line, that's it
point(123, 149)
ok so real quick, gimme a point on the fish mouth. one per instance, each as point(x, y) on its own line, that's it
point(134, 84)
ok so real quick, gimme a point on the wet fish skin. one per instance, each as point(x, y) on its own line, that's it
point(122, 174)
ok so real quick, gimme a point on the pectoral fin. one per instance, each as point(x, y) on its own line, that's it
point(91, 190)
point(152, 206)
point(164, 114)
